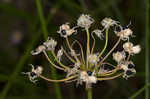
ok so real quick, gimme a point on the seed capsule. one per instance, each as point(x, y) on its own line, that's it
point(32, 74)
point(89, 73)
point(130, 66)
point(63, 32)
point(129, 73)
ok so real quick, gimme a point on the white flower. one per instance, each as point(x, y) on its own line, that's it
point(65, 30)
point(35, 72)
point(119, 56)
point(130, 65)
point(136, 49)
point(123, 66)
point(129, 73)
point(59, 54)
point(128, 68)
point(107, 22)
point(38, 70)
point(50, 44)
point(102, 70)
point(74, 70)
point(131, 49)
point(93, 58)
point(73, 53)
point(126, 65)
point(83, 76)
point(38, 50)
point(85, 21)
point(124, 33)
point(99, 34)
point(87, 78)
point(92, 79)
point(77, 64)
point(128, 47)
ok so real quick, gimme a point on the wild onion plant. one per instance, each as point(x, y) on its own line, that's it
point(89, 67)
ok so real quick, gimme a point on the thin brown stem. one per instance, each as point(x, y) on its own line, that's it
point(109, 52)
point(70, 58)
point(109, 72)
point(106, 43)
point(110, 78)
point(108, 64)
point(82, 54)
point(93, 46)
point(52, 62)
point(72, 50)
point(128, 57)
point(87, 46)
point(59, 61)
point(61, 80)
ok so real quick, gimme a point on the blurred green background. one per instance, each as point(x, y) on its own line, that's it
point(21, 30)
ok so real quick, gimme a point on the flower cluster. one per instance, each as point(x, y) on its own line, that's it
point(93, 66)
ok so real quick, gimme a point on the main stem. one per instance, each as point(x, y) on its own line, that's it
point(89, 92)
point(88, 48)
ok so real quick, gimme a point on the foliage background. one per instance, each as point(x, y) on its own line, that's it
point(21, 30)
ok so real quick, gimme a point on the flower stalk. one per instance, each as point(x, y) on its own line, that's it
point(106, 42)
point(88, 48)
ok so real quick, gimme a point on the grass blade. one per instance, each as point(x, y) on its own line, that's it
point(147, 78)
point(139, 91)
point(44, 28)
point(19, 66)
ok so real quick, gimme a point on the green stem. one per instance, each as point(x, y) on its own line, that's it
point(89, 92)
point(88, 48)
point(60, 80)
point(59, 61)
point(93, 45)
point(52, 62)
point(140, 91)
point(43, 25)
point(42, 19)
point(147, 58)
point(69, 46)
point(110, 78)
point(70, 58)
point(106, 43)
point(81, 48)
